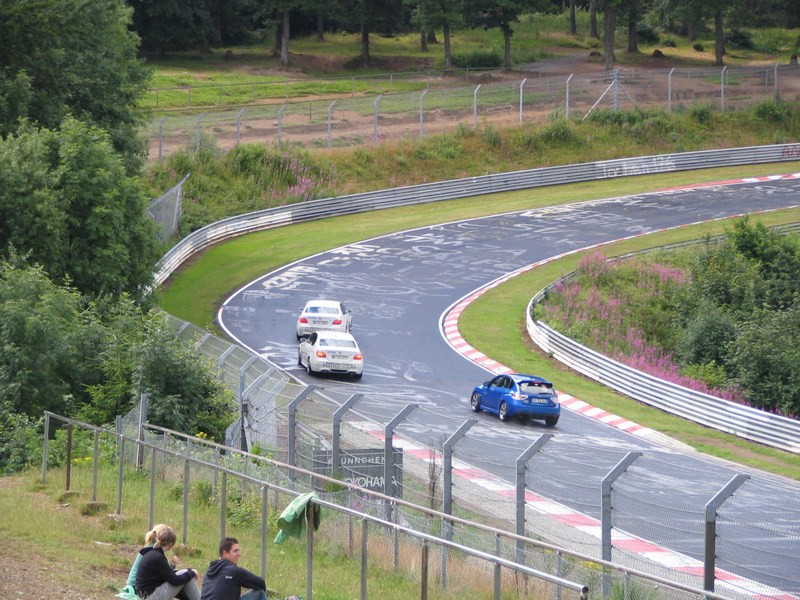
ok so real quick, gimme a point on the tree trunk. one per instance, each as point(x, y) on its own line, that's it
point(691, 30)
point(719, 40)
point(423, 41)
point(432, 37)
point(573, 25)
point(285, 39)
point(320, 26)
point(364, 44)
point(448, 55)
point(507, 47)
point(633, 32)
point(593, 19)
point(609, 17)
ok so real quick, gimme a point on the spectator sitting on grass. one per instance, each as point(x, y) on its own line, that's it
point(225, 579)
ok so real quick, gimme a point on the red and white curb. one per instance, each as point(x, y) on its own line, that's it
point(725, 581)
point(670, 559)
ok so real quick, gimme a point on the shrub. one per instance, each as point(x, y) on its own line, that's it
point(738, 38)
point(698, 47)
point(647, 34)
point(559, 131)
point(773, 111)
point(478, 59)
point(669, 43)
point(701, 113)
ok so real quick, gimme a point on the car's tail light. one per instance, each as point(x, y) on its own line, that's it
point(320, 354)
point(337, 321)
point(358, 357)
point(303, 320)
point(518, 396)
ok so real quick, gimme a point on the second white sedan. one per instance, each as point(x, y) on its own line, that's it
point(323, 315)
point(331, 352)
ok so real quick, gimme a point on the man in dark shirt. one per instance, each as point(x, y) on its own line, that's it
point(224, 579)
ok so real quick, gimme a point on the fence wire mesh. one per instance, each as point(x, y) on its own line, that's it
point(442, 103)
point(567, 472)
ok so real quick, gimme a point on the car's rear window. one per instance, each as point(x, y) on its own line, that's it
point(337, 343)
point(534, 387)
point(322, 310)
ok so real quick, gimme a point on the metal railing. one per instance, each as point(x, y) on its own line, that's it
point(462, 188)
point(171, 457)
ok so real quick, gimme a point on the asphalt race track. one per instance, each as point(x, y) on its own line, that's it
point(399, 286)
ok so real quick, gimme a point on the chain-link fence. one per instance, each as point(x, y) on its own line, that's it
point(553, 493)
point(445, 103)
point(443, 553)
point(166, 211)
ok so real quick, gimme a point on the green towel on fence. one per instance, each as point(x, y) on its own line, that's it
point(292, 521)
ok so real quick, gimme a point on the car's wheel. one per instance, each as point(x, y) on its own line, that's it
point(503, 412)
point(550, 421)
point(358, 375)
point(475, 402)
point(308, 367)
point(299, 359)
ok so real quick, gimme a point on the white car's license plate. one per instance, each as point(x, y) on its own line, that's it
point(337, 366)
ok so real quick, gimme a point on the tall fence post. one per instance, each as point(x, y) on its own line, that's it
point(95, 455)
point(375, 118)
point(239, 126)
point(46, 447)
point(475, 106)
point(198, 133)
point(777, 94)
point(388, 459)
point(722, 89)
point(605, 509)
point(336, 433)
point(566, 106)
point(143, 401)
point(422, 114)
point(292, 424)
point(522, 462)
point(120, 473)
point(669, 90)
point(161, 138)
point(280, 123)
point(330, 121)
point(447, 492)
point(264, 528)
point(521, 98)
point(710, 550)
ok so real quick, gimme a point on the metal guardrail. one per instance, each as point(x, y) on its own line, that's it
point(311, 210)
point(746, 422)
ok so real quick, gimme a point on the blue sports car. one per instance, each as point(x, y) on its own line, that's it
point(515, 394)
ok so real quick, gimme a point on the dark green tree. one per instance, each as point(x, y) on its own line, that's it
point(366, 16)
point(64, 57)
point(67, 201)
point(501, 14)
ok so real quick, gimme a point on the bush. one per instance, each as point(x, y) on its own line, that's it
point(559, 131)
point(20, 442)
point(701, 113)
point(738, 38)
point(478, 59)
point(698, 47)
point(647, 34)
point(773, 111)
